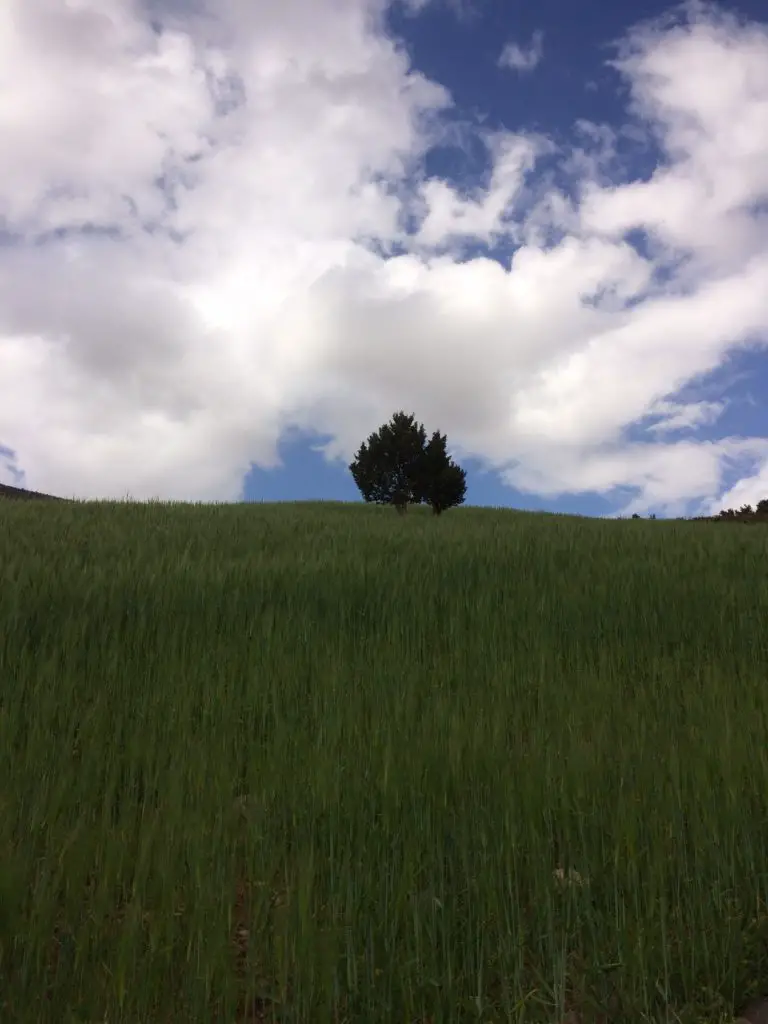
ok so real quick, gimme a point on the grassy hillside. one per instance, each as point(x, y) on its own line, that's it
point(323, 763)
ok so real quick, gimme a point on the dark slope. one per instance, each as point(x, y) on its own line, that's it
point(18, 493)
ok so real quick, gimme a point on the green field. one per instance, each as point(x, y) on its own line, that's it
point(321, 763)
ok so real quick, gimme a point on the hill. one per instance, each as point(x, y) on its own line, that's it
point(20, 494)
point(321, 762)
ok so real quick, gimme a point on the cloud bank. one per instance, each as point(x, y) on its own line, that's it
point(215, 226)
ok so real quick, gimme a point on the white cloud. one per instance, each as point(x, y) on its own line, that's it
point(667, 475)
point(448, 216)
point(684, 416)
point(521, 58)
point(187, 271)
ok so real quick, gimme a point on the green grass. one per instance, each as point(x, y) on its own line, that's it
point(320, 763)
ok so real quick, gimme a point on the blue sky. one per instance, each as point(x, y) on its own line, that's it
point(235, 238)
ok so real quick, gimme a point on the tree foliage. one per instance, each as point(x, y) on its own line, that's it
point(398, 466)
point(442, 484)
point(385, 466)
point(745, 514)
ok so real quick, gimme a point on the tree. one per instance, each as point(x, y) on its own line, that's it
point(397, 466)
point(440, 483)
point(385, 467)
point(746, 514)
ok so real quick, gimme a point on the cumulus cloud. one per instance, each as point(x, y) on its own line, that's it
point(215, 226)
point(522, 58)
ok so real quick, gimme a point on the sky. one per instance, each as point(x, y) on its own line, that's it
point(236, 237)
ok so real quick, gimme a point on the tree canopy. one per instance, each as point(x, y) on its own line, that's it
point(398, 466)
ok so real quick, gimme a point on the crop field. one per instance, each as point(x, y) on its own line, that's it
point(323, 763)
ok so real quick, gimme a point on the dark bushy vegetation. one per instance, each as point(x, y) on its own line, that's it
point(398, 466)
point(746, 514)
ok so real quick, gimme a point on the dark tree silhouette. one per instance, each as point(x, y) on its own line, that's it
point(441, 483)
point(745, 514)
point(385, 466)
point(396, 466)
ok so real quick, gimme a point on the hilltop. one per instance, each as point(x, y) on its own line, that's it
point(19, 493)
